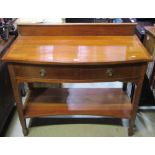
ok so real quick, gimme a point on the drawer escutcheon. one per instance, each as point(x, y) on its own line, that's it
point(109, 72)
point(42, 72)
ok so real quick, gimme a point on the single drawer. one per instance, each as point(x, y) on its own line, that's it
point(110, 72)
point(77, 73)
point(44, 72)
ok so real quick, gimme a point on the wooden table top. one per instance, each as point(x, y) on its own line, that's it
point(77, 50)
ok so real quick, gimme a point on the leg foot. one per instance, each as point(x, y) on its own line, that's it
point(130, 131)
point(25, 132)
point(131, 127)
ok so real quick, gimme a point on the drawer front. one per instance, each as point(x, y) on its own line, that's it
point(46, 72)
point(77, 73)
point(110, 73)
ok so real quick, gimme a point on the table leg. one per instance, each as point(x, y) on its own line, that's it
point(124, 86)
point(30, 86)
point(135, 103)
point(18, 99)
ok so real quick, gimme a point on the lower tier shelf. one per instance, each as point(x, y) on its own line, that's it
point(77, 101)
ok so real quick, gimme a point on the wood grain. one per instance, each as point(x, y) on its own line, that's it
point(80, 50)
point(18, 100)
point(87, 29)
point(80, 73)
point(43, 102)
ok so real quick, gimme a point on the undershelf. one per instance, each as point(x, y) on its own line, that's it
point(77, 101)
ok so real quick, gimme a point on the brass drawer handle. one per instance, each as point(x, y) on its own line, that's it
point(109, 72)
point(42, 72)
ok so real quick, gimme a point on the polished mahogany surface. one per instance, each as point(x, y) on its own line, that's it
point(77, 50)
point(62, 101)
point(76, 29)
